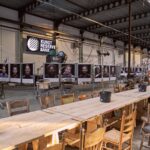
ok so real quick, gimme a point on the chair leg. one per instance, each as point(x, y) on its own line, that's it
point(149, 141)
point(143, 124)
point(35, 144)
point(120, 147)
point(141, 145)
point(130, 143)
point(23, 147)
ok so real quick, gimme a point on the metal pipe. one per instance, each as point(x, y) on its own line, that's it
point(129, 40)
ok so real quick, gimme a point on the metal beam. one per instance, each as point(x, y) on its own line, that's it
point(129, 39)
point(138, 35)
point(76, 4)
point(118, 21)
point(136, 28)
point(134, 42)
point(96, 10)
point(32, 5)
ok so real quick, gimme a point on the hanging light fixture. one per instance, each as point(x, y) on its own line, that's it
point(148, 1)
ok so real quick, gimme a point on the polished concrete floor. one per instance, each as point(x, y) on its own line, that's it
point(30, 94)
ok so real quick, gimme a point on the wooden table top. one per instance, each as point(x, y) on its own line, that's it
point(26, 127)
point(83, 110)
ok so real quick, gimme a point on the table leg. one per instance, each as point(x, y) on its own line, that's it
point(149, 141)
point(35, 144)
point(55, 138)
point(82, 131)
point(22, 147)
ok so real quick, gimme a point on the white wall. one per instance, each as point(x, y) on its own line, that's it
point(65, 45)
point(8, 13)
point(9, 43)
point(37, 59)
point(30, 19)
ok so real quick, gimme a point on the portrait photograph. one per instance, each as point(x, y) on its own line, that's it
point(51, 70)
point(27, 71)
point(112, 71)
point(15, 71)
point(84, 71)
point(68, 70)
point(98, 71)
point(4, 71)
point(105, 71)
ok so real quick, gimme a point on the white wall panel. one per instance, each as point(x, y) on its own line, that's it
point(90, 53)
point(72, 54)
point(137, 59)
point(118, 58)
point(69, 30)
point(108, 60)
point(38, 21)
point(7, 45)
point(9, 42)
point(8, 13)
point(37, 59)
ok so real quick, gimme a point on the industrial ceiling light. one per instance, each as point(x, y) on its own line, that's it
point(148, 1)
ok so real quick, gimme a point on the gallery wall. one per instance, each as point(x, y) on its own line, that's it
point(10, 43)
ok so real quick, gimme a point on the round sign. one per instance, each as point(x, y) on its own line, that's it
point(33, 44)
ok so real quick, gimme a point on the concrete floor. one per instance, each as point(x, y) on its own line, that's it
point(34, 105)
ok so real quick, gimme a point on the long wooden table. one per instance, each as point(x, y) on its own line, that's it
point(24, 128)
point(83, 110)
point(27, 127)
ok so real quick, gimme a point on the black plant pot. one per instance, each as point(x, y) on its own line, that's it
point(142, 87)
point(105, 96)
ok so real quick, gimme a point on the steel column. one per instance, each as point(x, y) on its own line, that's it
point(129, 40)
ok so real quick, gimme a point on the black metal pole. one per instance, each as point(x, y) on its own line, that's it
point(129, 41)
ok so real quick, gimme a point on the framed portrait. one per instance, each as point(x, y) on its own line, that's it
point(105, 73)
point(97, 73)
point(112, 73)
point(4, 72)
point(68, 72)
point(28, 73)
point(84, 72)
point(51, 72)
point(15, 73)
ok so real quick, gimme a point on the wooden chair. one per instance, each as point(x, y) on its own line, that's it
point(146, 118)
point(15, 107)
point(72, 137)
point(67, 98)
point(146, 128)
point(47, 101)
point(94, 140)
point(82, 97)
point(117, 138)
point(116, 88)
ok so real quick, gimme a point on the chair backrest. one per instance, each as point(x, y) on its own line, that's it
point(148, 112)
point(93, 124)
point(116, 88)
point(127, 124)
point(43, 85)
point(46, 101)
point(82, 97)
point(94, 140)
point(15, 107)
point(67, 98)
